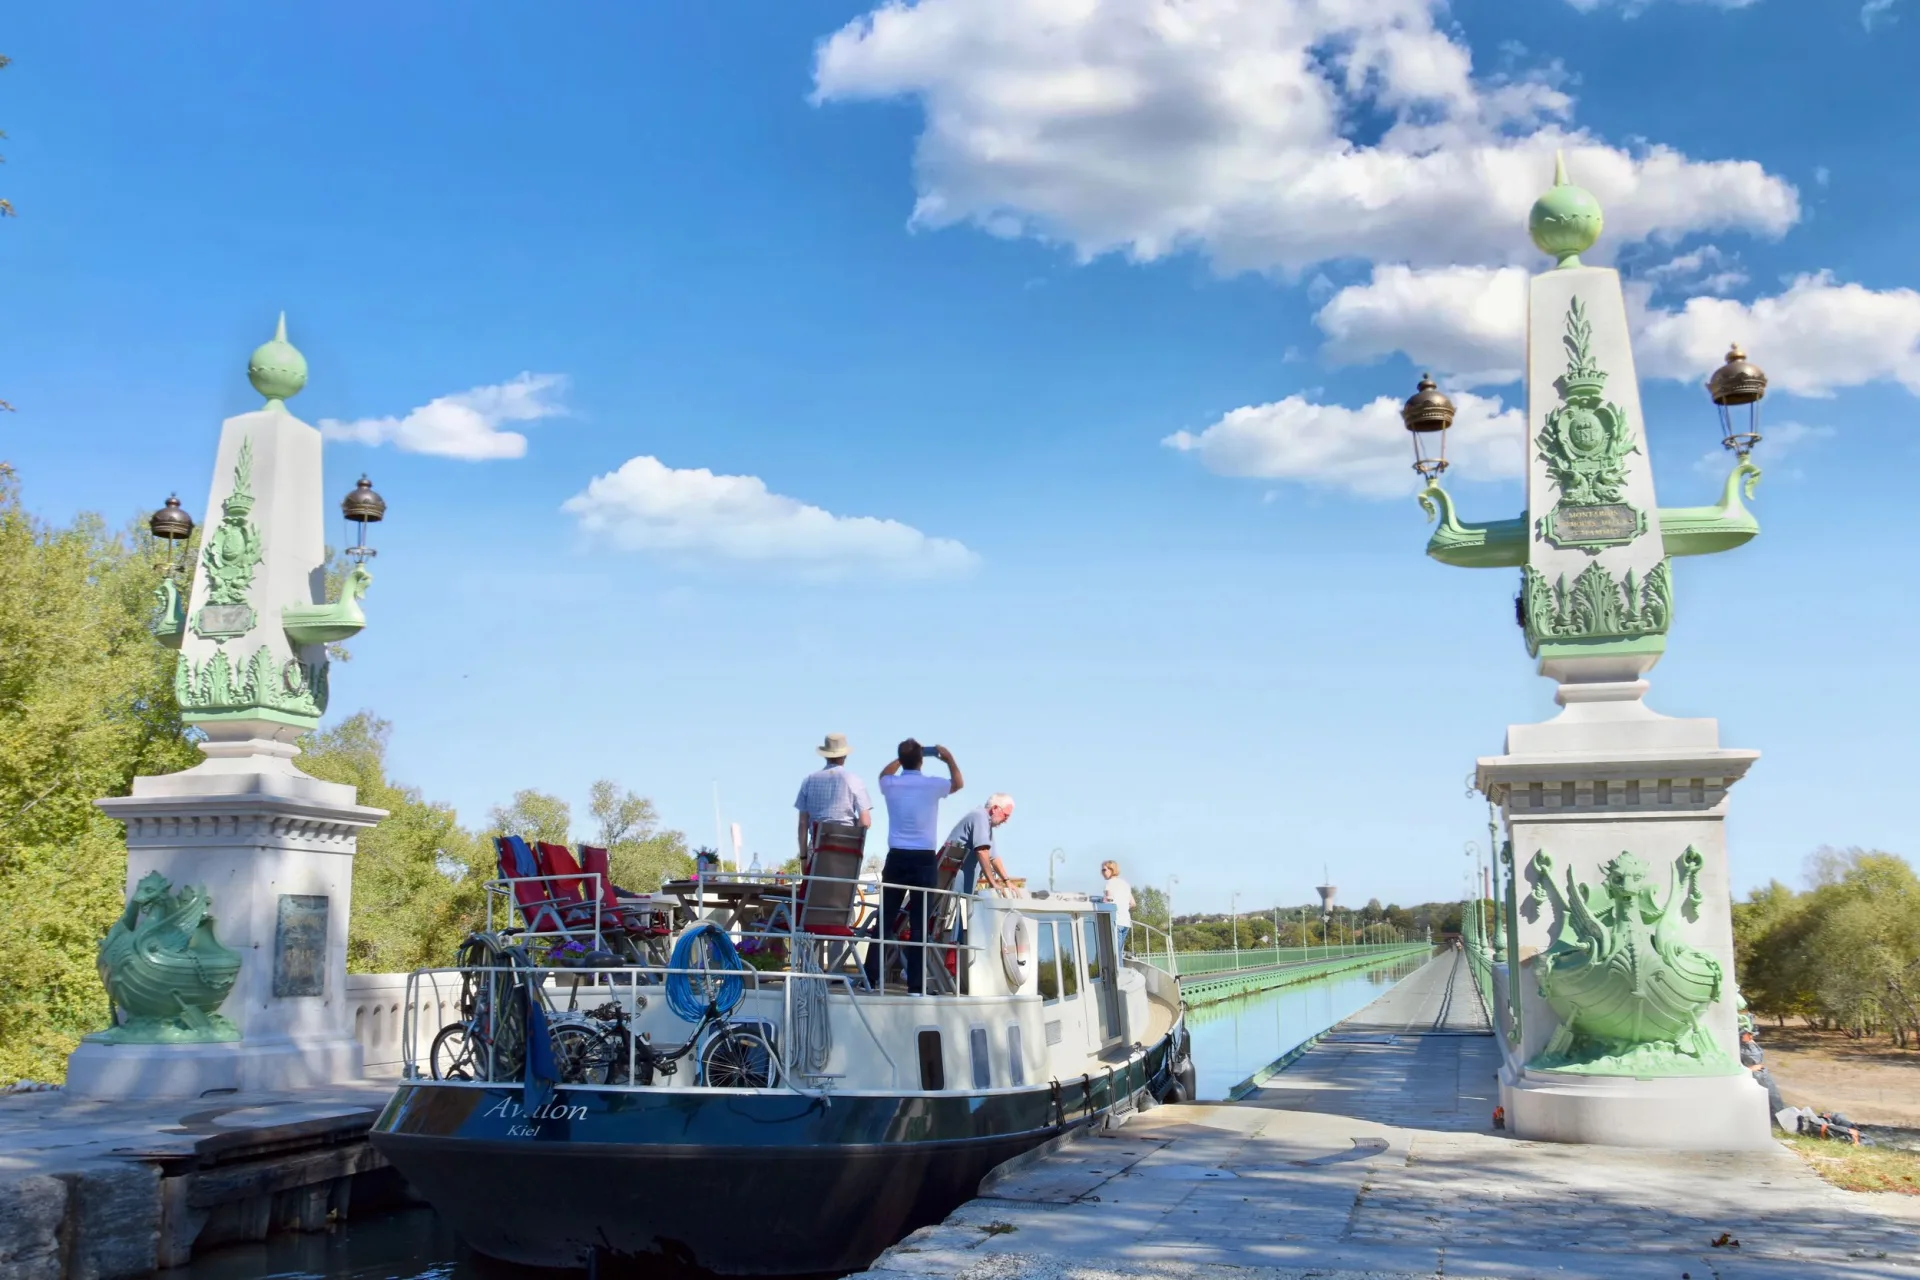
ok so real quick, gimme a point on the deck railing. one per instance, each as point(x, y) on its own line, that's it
point(1188, 964)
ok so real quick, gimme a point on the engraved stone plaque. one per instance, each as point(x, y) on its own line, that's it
point(300, 945)
point(1608, 524)
point(220, 620)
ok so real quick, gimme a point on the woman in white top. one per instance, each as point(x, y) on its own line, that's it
point(1120, 894)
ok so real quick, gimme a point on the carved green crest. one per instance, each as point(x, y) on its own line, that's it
point(1585, 442)
point(1596, 606)
point(232, 548)
point(1629, 993)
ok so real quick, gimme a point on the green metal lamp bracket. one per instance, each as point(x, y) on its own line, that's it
point(168, 622)
point(327, 623)
point(1502, 544)
point(1700, 531)
point(1497, 544)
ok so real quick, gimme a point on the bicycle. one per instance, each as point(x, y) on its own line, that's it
point(489, 1040)
point(597, 1046)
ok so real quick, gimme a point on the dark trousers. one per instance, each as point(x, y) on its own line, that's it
point(906, 871)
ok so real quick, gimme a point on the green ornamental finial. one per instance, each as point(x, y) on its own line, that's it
point(277, 369)
point(1566, 221)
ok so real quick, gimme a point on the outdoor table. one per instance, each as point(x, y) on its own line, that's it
point(732, 902)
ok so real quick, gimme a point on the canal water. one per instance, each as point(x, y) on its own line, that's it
point(1237, 1037)
point(1231, 1041)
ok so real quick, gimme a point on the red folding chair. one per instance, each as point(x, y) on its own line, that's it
point(828, 900)
point(637, 912)
point(545, 906)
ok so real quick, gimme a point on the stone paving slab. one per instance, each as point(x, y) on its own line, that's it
point(1348, 1166)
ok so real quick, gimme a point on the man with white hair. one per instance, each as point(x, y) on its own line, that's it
point(968, 852)
point(971, 842)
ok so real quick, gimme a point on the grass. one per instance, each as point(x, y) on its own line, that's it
point(1854, 1168)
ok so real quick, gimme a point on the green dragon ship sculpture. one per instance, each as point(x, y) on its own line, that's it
point(1629, 993)
point(165, 970)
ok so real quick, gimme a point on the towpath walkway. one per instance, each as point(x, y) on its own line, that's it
point(1373, 1156)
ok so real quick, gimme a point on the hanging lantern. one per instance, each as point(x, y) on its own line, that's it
point(363, 507)
point(172, 525)
point(1738, 387)
point(1427, 414)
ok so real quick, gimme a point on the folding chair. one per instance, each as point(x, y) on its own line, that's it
point(828, 900)
point(545, 906)
point(943, 924)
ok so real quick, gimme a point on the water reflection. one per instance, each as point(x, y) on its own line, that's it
point(409, 1245)
point(1235, 1038)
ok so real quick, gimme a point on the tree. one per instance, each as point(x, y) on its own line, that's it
point(533, 816)
point(640, 855)
point(86, 704)
point(1150, 907)
point(419, 877)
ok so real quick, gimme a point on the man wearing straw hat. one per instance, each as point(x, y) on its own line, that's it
point(831, 794)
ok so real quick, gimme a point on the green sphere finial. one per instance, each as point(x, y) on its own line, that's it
point(1566, 221)
point(277, 369)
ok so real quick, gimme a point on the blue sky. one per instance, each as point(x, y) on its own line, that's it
point(935, 288)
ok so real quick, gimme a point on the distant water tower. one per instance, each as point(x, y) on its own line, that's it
point(1326, 892)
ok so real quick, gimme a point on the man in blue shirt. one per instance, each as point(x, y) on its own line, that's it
point(969, 848)
point(831, 794)
point(913, 819)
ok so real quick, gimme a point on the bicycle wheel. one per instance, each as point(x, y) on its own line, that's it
point(582, 1055)
point(738, 1060)
point(451, 1057)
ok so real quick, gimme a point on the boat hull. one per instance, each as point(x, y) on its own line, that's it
point(730, 1183)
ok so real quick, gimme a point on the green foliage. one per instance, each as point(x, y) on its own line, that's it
point(86, 704)
point(1845, 953)
point(1150, 907)
point(418, 875)
point(533, 815)
point(640, 855)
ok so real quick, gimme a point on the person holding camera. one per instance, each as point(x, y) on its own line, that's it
point(913, 823)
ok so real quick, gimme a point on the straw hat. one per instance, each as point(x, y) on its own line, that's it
point(835, 747)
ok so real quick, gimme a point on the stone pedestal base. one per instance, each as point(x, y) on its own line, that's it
point(1673, 1113)
point(190, 1070)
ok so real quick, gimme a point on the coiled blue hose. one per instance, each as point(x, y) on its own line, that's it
point(704, 946)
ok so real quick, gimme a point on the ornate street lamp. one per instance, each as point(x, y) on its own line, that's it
point(172, 525)
point(363, 507)
point(1427, 415)
point(1736, 384)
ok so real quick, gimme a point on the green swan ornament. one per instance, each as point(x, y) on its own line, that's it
point(165, 970)
point(1628, 992)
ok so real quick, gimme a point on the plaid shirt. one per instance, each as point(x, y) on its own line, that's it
point(832, 795)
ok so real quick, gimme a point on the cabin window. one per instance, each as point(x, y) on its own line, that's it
point(1069, 967)
point(1048, 965)
point(933, 1067)
point(1098, 977)
point(1016, 1057)
point(982, 1065)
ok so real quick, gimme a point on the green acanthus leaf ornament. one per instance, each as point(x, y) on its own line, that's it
point(1629, 993)
point(233, 547)
point(1585, 441)
point(165, 970)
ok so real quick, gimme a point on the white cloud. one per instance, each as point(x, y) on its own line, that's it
point(1873, 10)
point(1154, 126)
point(1708, 269)
point(1469, 325)
point(466, 425)
point(1461, 321)
point(1814, 339)
point(693, 514)
point(1365, 451)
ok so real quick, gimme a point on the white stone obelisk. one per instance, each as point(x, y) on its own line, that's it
point(272, 846)
point(1609, 793)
